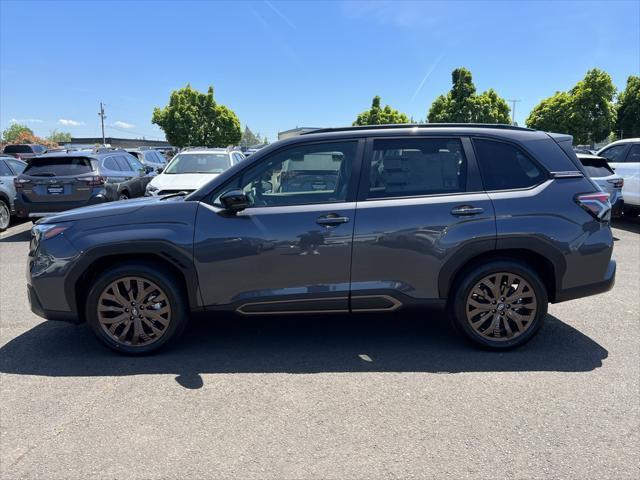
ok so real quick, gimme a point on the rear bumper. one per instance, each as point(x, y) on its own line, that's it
point(602, 286)
point(616, 208)
point(25, 209)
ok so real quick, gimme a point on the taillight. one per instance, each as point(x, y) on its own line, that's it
point(19, 183)
point(617, 183)
point(94, 181)
point(597, 204)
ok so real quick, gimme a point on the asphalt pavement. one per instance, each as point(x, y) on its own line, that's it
point(362, 397)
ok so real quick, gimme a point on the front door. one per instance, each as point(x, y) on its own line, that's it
point(290, 250)
point(421, 212)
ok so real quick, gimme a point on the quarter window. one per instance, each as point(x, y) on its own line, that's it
point(306, 174)
point(417, 166)
point(505, 167)
point(17, 166)
point(634, 154)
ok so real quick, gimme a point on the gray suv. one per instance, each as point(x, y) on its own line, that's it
point(9, 168)
point(490, 222)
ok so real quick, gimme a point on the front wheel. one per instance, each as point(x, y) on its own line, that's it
point(500, 305)
point(136, 309)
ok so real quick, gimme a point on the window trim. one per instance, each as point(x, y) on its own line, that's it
point(352, 188)
point(546, 174)
point(473, 182)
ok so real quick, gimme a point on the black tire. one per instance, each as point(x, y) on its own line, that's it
point(5, 211)
point(630, 211)
point(124, 195)
point(469, 280)
point(163, 279)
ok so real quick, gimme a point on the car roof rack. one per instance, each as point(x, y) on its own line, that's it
point(501, 126)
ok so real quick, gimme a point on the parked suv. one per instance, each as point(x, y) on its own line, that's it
point(56, 182)
point(624, 158)
point(149, 158)
point(490, 222)
point(24, 151)
point(9, 168)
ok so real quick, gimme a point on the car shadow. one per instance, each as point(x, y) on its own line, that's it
point(300, 345)
point(628, 224)
point(23, 236)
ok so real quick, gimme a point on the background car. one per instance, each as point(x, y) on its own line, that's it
point(149, 158)
point(10, 167)
point(192, 168)
point(24, 151)
point(624, 157)
point(56, 182)
point(610, 182)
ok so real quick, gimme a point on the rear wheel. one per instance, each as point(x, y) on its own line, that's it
point(5, 215)
point(500, 305)
point(123, 195)
point(136, 309)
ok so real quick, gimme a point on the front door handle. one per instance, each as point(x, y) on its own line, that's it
point(466, 210)
point(331, 220)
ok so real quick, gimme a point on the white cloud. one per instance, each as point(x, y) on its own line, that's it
point(26, 120)
point(120, 124)
point(70, 123)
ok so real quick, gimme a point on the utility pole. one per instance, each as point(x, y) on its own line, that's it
point(102, 117)
point(513, 109)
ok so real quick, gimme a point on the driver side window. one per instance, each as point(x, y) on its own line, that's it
point(300, 175)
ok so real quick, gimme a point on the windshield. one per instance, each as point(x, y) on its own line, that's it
point(59, 166)
point(199, 163)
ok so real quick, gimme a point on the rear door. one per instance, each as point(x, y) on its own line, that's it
point(421, 211)
point(59, 179)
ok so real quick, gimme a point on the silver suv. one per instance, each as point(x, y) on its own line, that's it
point(10, 167)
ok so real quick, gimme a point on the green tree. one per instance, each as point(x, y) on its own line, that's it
point(377, 115)
point(628, 109)
point(586, 111)
point(194, 118)
point(463, 105)
point(249, 138)
point(14, 131)
point(56, 136)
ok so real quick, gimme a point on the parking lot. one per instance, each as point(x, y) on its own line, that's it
point(325, 397)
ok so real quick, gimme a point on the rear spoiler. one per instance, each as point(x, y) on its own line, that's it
point(565, 142)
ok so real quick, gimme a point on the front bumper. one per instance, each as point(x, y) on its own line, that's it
point(595, 288)
point(57, 315)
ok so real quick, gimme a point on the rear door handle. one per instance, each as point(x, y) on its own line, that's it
point(331, 220)
point(466, 210)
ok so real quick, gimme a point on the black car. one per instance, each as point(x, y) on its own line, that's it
point(60, 181)
point(490, 222)
point(24, 151)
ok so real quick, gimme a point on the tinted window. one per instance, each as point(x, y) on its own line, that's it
point(122, 163)
point(302, 175)
point(615, 153)
point(634, 154)
point(504, 166)
point(4, 170)
point(135, 165)
point(17, 149)
point(417, 166)
point(16, 166)
point(110, 164)
point(63, 166)
point(39, 149)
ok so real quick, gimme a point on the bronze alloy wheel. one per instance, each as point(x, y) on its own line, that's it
point(501, 306)
point(134, 311)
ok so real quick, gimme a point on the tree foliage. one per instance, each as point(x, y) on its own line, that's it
point(628, 109)
point(13, 131)
point(193, 118)
point(377, 115)
point(249, 138)
point(57, 136)
point(463, 105)
point(586, 111)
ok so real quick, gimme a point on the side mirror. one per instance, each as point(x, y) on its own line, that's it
point(159, 169)
point(234, 200)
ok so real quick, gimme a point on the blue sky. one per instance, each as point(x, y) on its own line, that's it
point(279, 65)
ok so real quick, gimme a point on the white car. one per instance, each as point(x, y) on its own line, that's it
point(624, 158)
point(192, 168)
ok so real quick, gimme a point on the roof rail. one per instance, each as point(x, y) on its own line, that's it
point(501, 126)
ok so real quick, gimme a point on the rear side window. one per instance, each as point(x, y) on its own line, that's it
point(615, 153)
point(417, 166)
point(505, 167)
point(17, 166)
point(596, 167)
point(59, 166)
point(17, 149)
point(4, 170)
point(110, 164)
point(123, 164)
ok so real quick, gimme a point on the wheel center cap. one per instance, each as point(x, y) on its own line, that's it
point(500, 307)
point(134, 311)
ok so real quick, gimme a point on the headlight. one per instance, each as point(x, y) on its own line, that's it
point(47, 231)
point(152, 188)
